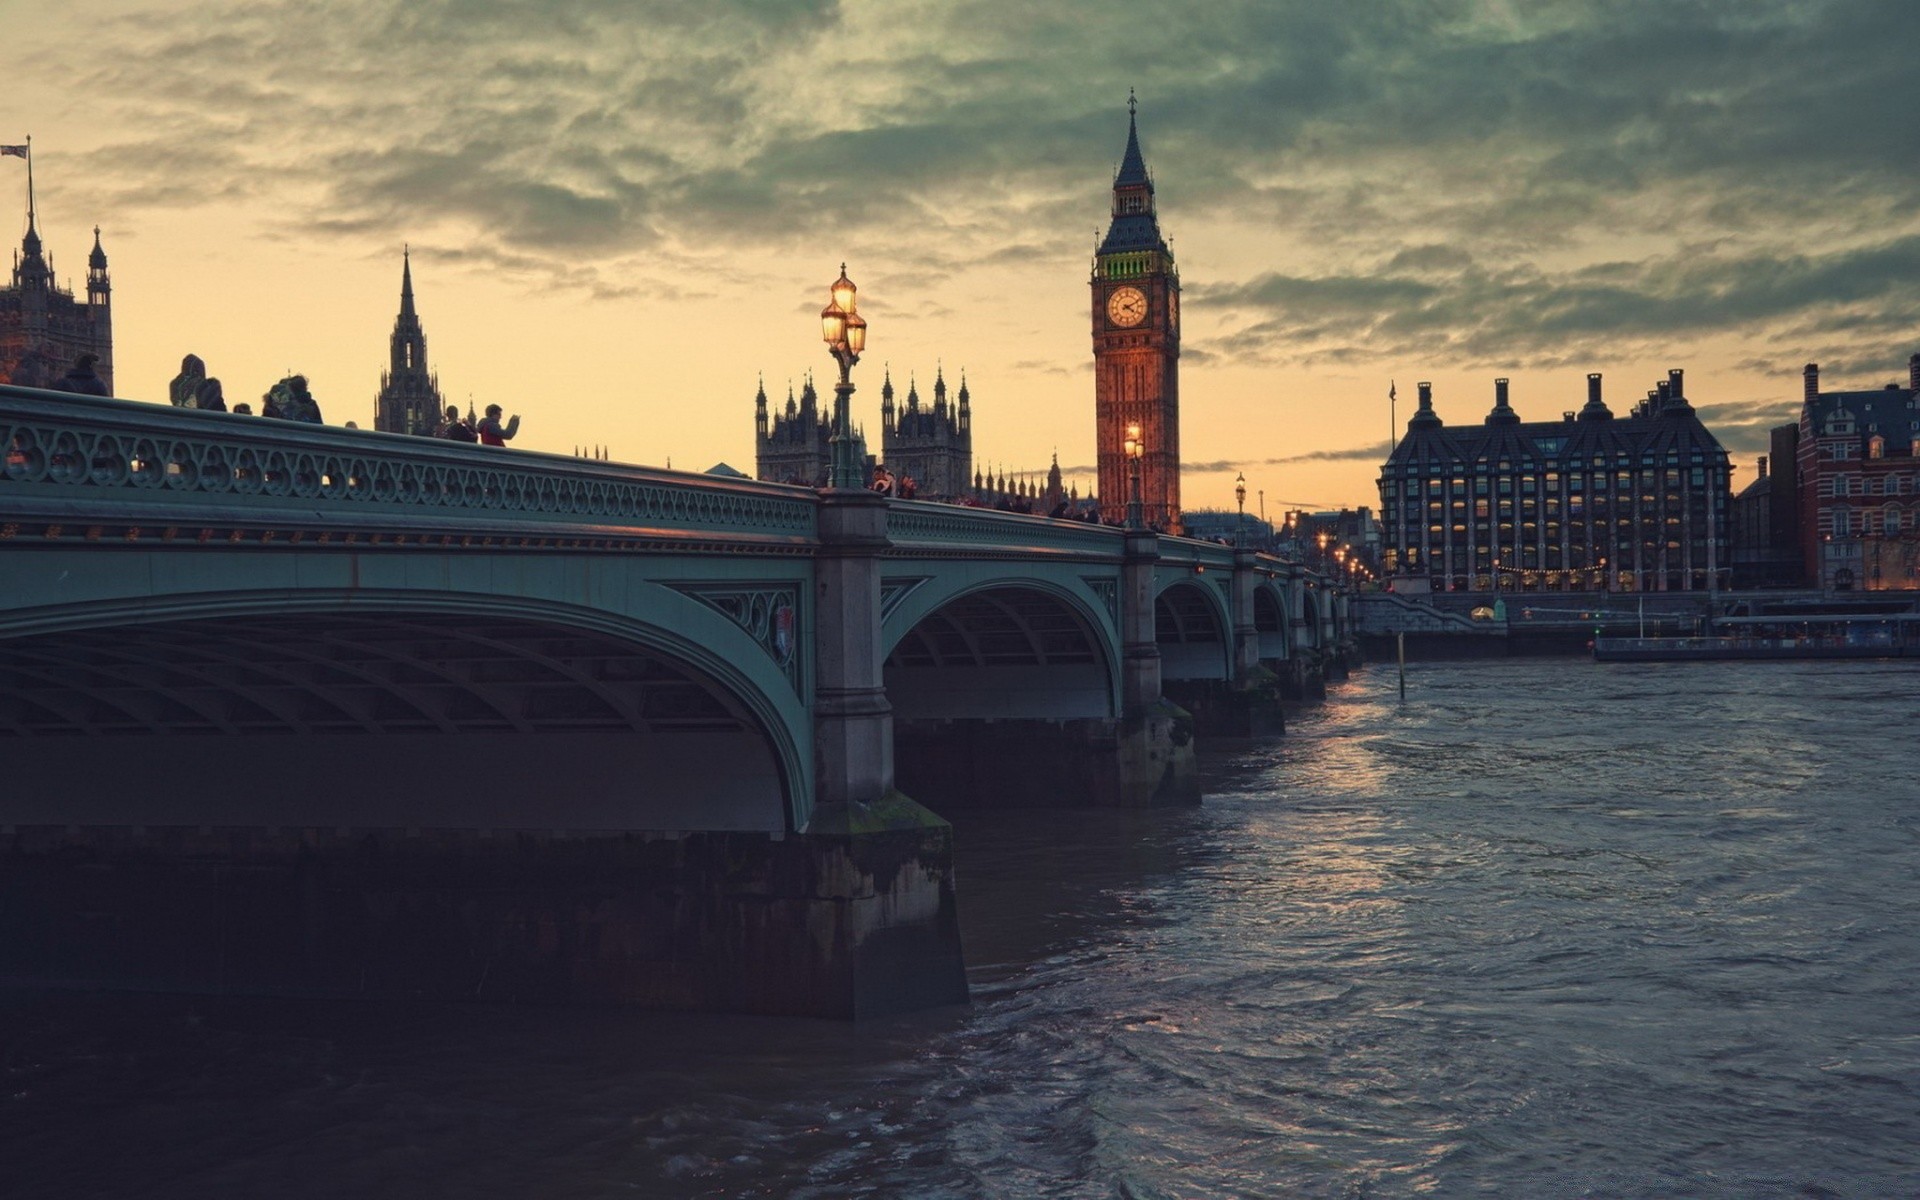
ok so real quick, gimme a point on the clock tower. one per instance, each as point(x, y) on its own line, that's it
point(1136, 347)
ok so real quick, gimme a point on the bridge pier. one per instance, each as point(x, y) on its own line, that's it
point(881, 917)
point(824, 924)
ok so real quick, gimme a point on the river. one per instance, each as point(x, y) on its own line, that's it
point(1546, 928)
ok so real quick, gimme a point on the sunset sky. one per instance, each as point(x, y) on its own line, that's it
point(623, 212)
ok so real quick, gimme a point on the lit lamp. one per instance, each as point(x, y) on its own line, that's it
point(1136, 448)
point(845, 332)
point(1240, 502)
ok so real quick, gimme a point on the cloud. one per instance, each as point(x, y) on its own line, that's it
point(1441, 180)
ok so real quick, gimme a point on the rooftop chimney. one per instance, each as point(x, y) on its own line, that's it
point(1675, 386)
point(1502, 413)
point(1763, 466)
point(1913, 372)
point(1812, 377)
point(1596, 409)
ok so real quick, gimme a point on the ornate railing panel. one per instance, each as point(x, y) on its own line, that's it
point(98, 459)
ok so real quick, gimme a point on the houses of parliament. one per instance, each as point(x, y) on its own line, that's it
point(45, 328)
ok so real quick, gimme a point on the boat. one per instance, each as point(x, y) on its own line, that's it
point(1777, 635)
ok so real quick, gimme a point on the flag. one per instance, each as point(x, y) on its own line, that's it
point(1390, 392)
point(16, 151)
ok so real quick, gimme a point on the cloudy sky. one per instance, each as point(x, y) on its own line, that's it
point(624, 212)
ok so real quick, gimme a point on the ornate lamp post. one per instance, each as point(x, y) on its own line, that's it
point(1136, 449)
point(1240, 502)
point(845, 332)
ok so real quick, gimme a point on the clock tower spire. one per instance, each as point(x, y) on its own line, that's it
point(1136, 345)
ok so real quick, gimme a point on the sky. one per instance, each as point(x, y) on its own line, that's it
point(623, 214)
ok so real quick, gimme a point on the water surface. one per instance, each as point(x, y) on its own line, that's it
point(1547, 928)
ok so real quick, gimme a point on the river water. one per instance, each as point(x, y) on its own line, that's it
point(1546, 928)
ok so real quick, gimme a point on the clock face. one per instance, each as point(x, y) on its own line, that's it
point(1127, 306)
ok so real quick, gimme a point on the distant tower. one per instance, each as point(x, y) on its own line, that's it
point(1136, 346)
point(43, 326)
point(934, 445)
point(410, 400)
point(795, 445)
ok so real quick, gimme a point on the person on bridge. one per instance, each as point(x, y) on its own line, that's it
point(82, 379)
point(454, 429)
point(492, 433)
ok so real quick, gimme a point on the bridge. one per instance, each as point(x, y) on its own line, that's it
point(295, 708)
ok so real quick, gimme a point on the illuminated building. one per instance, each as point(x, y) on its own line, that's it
point(1136, 346)
point(1589, 502)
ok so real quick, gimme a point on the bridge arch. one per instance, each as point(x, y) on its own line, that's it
point(1304, 614)
point(1026, 648)
point(388, 708)
point(1194, 631)
point(1270, 623)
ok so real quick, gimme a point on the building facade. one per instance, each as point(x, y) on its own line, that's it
point(45, 327)
point(1589, 502)
point(1858, 484)
point(1136, 347)
point(795, 445)
point(931, 443)
point(409, 400)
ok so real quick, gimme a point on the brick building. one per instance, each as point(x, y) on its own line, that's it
point(1858, 484)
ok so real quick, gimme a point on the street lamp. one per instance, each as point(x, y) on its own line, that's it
point(845, 332)
point(1136, 449)
point(1322, 539)
point(1240, 502)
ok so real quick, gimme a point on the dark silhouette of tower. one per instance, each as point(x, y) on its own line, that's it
point(410, 400)
point(932, 444)
point(1136, 345)
point(43, 326)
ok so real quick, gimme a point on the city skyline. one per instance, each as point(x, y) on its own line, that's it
point(620, 218)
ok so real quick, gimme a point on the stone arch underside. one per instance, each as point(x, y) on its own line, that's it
point(1270, 624)
point(1000, 653)
point(343, 720)
point(1193, 641)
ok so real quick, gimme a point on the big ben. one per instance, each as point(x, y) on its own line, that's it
point(1136, 347)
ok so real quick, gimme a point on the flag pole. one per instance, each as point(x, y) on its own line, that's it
point(30, 220)
point(1393, 419)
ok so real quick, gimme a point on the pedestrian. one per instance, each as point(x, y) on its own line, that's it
point(882, 481)
point(82, 379)
point(492, 433)
point(208, 397)
point(455, 429)
point(908, 487)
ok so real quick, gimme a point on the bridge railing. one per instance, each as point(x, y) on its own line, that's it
point(86, 458)
point(918, 525)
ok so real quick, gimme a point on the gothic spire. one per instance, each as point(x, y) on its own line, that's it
point(1134, 226)
point(406, 281)
point(1133, 165)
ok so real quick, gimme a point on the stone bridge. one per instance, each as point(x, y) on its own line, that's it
point(300, 708)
